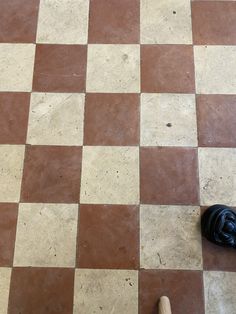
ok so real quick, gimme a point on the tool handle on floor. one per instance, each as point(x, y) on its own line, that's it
point(164, 306)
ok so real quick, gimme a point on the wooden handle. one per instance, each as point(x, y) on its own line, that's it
point(164, 306)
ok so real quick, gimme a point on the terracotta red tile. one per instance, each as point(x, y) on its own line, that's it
point(60, 68)
point(18, 21)
point(108, 237)
point(14, 108)
point(8, 220)
point(41, 290)
point(51, 174)
point(114, 22)
point(216, 115)
point(111, 119)
point(167, 69)
point(214, 22)
point(184, 288)
point(169, 176)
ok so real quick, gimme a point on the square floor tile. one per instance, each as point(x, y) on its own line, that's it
point(60, 68)
point(110, 175)
point(170, 237)
point(113, 69)
point(217, 172)
point(184, 288)
point(41, 290)
point(108, 237)
point(106, 291)
point(18, 21)
point(168, 120)
point(111, 119)
point(114, 22)
point(46, 235)
point(169, 176)
point(16, 67)
point(216, 120)
point(11, 161)
point(166, 22)
point(215, 69)
point(51, 174)
point(167, 69)
point(56, 119)
point(63, 22)
point(14, 108)
point(219, 292)
point(214, 22)
point(5, 277)
point(8, 219)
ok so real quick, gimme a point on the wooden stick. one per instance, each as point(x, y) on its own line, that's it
point(164, 306)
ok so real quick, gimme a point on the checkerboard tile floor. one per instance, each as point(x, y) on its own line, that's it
point(117, 130)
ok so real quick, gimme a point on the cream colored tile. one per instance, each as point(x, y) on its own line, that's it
point(110, 175)
point(56, 119)
point(16, 67)
point(166, 22)
point(215, 69)
point(46, 235)
point(11, 161)
point(63, 22)
point(170, 237)
point(220, 292)
point(168, 120)
point(113, 68)
point(106, 291)
point(217, 172)
point(5, 277)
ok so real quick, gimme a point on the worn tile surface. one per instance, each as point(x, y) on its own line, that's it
point(5, 276)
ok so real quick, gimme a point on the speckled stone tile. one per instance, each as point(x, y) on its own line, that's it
point(63, 22)
point(170, 237)
point(110, 175)
point(219, 292)
point(46, 235)
point(166, 22)
point(56, 119)
point(113, 68)
point(217, 174)
point(168, 120)
point(5, 276)
point(106, 291)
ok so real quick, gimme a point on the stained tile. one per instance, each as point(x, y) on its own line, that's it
point(216, 120)
point(167, 69)
point(113, 22)
point(60, 68)
point(18, 21)
point(217, 171)
point(169, 176)
point(8, 219)
point(214, 23)
point(16, 67)
point(63, 22)
point(46, 235)
point(184, 288)
point(219, 292)
point(51, 174)
point(166, 22)
point(41, 290)
point(106, 291)
point(14, 108)
point(56, 119)
point(108, 237)
point(5, 277)
point(111, 119)
point(168, 120)
point(113, 69)
point(110, 175)
point(215, 69)
point(11, 161)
